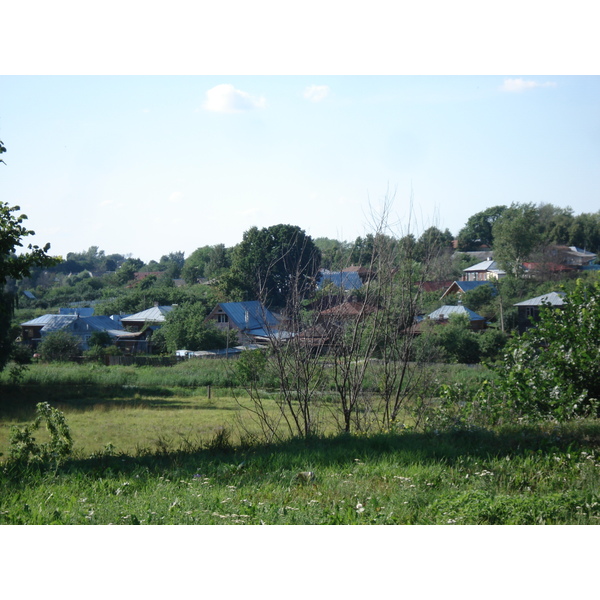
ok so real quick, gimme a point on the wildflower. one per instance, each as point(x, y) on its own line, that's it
point(360, 508)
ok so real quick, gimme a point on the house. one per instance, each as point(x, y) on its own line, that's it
point(559, 261)
point(82, 327)
point(571, 255)
point(462, 287)
point(251, 320)
point(442, 315)
point(150, 317)
point(483, 271)
point(529, 310)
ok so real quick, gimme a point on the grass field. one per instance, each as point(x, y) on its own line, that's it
point(519, 476)
point(149, 453)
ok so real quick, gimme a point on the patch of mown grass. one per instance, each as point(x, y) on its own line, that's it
point(531, 475)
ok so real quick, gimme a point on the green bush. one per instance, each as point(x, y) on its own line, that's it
point(59, 346)
point(553, 369)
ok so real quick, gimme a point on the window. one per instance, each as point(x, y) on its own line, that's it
point(531, 312)
point(222, 319)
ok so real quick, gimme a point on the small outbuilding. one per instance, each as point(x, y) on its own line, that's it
point(529, 310)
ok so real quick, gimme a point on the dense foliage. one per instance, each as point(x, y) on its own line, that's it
point(272, 263)
point(59, 345)
point(553, 369)
point(185, 328)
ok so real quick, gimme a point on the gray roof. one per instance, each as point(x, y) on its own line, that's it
point(447, 310)
point(56, 322)
point(156, 314)
point(486, 265)
point(553, 298)
point(50, 322)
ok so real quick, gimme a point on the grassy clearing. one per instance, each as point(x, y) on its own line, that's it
point(524, 476)
point(154, 454)
point(133, 421)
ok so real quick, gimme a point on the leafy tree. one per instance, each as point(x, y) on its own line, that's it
point(185, 328)
point(335, 255)
point(362, 250)
point(553, 369)
point(13, 266)
point(272, 262)
point(128, 269)
point(491, 344)
point(480, 297)
point(250, 366)
point(59, 346)
point(100, 338)
point(459, 341)
point(432, 243)
point(478, 230)
point(516, 233)
point(207, 261)
point(585, 232)
point(555, 223)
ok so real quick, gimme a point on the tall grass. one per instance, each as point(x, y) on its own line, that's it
point(191, 373)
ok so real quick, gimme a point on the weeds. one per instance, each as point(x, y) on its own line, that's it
point(25, 451)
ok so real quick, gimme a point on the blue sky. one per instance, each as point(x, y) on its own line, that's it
point(147, 165)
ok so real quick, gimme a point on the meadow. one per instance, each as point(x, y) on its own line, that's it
point(150, 447)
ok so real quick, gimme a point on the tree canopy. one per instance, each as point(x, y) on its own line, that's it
point(517, 232)
point(478, 230)
point(272, 264)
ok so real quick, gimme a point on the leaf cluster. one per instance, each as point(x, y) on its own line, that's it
point(553, 369)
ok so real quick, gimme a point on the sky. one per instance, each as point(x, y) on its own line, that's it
point(147, 165)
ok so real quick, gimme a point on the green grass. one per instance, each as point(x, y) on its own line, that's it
point(515, 476)
point(150, 453)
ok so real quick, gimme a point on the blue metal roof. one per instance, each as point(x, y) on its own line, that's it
point(248, 316)
point(347, 281)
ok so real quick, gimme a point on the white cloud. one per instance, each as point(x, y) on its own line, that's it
point(175, 197)
point(225, 98)
point(316, 93)
point(520, 85)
